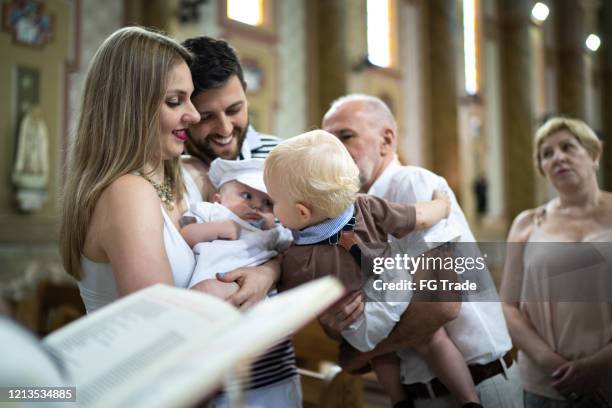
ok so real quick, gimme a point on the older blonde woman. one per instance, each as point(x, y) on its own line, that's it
point(565, 349)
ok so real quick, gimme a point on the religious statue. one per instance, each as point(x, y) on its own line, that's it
point(31, 171)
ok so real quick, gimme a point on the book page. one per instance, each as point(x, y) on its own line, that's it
point(113, 350)
point(25, 360)
point(259, 329)
point(165, 346)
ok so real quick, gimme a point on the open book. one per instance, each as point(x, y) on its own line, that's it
point(164, 346)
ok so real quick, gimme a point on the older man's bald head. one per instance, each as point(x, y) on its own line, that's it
point(373, 107)
point(366, 127)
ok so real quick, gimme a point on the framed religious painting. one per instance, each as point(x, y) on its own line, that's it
point(27, 22)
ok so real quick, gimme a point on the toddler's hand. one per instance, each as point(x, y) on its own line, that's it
point(229, 230)
point(443, 198)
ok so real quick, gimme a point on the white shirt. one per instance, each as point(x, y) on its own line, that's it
point(193, 195)
point(257, 145)
point(254, 246)
point(480, 331)
point(251, 140)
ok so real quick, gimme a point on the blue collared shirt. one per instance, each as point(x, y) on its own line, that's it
point(324, 230)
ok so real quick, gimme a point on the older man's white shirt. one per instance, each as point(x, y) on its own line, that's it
point(480, 331)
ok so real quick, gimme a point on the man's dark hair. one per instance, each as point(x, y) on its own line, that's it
point(214, 62)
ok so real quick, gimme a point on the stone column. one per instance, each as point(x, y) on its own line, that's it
point(517, 109)
point(606, 92)
point(569, 16)
point(154, 13)
point(444, 31)
point(330, 52)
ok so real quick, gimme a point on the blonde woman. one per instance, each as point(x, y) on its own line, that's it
point(124, 190)
point(565, 348)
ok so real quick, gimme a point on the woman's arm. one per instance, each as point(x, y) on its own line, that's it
point(602, 362)
point(525, 338)
point(585, 375)
point(524, 335)
point(128, 227)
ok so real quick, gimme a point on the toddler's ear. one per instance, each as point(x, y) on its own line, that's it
point(304, 213)
point(216, 198)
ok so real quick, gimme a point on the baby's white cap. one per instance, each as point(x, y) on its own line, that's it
point(249, 172)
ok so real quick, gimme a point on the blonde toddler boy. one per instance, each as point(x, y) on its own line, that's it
point(313, 183)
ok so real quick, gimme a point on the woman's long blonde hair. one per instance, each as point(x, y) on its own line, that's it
point(118, 128)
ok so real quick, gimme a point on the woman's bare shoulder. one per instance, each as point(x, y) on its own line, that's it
point(121, 206)
point(523, 224)
point(526, 217)
point(127, 195)
point(129, 186)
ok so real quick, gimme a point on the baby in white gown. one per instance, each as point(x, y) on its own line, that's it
point(237, 230)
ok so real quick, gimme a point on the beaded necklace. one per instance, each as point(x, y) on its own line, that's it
point(164, 191)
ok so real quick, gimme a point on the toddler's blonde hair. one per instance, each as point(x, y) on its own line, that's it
point(315, 170)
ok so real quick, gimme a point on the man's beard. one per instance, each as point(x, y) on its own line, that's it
point(203, 150)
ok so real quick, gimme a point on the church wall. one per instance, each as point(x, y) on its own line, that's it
point(28, 236)
point(28, 241)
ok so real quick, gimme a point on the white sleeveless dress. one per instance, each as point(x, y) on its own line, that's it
point(192, 191)
point(98, 287)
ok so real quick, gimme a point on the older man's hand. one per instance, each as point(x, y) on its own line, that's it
point(340, 315)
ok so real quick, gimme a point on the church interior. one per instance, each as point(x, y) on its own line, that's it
point(468, 81)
